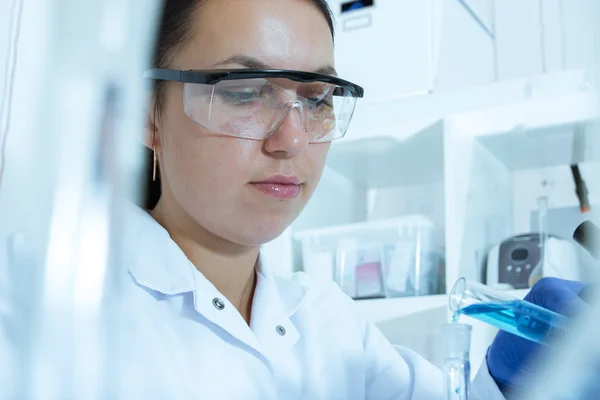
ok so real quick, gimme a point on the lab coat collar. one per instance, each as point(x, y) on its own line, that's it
point(290, 292)
point(154, 260)
point(270, 320)
point(271, 333)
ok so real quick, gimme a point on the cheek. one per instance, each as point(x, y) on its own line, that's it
point(246, 126)
point(317, 154)
point(197, 159)
point(207, 164)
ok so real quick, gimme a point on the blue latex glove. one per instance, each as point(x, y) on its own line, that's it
point(508, 355)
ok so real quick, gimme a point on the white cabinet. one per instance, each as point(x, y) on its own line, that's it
point(386, 48)
point(580, 32)
point(404, 48)
point(534, 37)
point(465, 53)
point(482, 11)
point(518, 38)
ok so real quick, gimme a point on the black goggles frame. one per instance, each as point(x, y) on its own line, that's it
point(214, 76)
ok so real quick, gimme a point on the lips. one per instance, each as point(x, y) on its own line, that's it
point(280, 187)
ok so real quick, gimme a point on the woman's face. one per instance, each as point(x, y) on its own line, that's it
point(213, 181)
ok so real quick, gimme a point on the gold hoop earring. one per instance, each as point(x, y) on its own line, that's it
point(154, 156)
point(154, 168)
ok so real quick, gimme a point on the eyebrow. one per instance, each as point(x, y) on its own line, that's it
point(254, 63)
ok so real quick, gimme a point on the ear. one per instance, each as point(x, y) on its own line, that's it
point(151, 138)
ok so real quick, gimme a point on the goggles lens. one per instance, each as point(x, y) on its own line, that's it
point(256, 108)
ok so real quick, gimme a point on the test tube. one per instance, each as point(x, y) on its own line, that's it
point(538, 271)
point(505, 312)
point(457, 366)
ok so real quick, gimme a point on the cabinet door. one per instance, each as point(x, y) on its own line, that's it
point(580, 32)
point(518, 38)
point(482, 11)
point(466, 46)
point(569, 34)
point(387, 48)
point(536, 37)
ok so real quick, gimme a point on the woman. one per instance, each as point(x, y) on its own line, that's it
point(240, 152)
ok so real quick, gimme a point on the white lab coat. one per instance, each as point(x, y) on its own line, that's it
point(306, 341)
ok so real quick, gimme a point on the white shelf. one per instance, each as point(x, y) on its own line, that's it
point(415, 322)
point(388, 309)
point(387, 117)
point(524, 123)
point(380, 310)
point(537, 133)
point(540, 147)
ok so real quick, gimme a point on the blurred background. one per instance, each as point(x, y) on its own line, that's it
point(474, 113)
point(474, 152)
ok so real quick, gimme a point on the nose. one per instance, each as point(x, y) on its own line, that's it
point(288, 138)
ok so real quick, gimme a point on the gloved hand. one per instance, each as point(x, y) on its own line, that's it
point(508, 355)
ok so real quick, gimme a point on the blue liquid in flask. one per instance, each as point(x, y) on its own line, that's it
point(520, 318)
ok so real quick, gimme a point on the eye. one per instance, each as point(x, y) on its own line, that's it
point(240, 92)
point(319, 100)
point(239, 96)
point(317, 94)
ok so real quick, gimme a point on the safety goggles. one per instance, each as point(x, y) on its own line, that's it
point(252, 104)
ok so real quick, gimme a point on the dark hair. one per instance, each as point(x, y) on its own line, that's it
point(176, 28)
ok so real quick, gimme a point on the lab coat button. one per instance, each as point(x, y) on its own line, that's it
point(280, 330)
point(218, 303)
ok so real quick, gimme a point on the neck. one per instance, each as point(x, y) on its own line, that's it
point(228, 266)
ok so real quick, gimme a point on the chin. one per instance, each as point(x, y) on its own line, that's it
point(261, 231)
